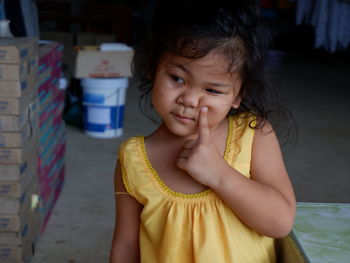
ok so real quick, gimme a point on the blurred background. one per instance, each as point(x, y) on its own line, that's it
point(309, 62)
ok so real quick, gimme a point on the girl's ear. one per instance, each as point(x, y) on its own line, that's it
point(236, 101)
point(238, 97)
point(237, 92)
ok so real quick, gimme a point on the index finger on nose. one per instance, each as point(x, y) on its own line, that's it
point(204, 132)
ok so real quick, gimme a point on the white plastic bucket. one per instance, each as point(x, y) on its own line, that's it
point(103, 106)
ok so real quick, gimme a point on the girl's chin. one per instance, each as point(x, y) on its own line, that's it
point(181, 131)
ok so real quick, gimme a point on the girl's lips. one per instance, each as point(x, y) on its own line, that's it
point(183, 118)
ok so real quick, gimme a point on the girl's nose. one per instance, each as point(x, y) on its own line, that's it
point(189, 99)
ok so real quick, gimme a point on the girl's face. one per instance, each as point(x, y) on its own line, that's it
point(183, 86)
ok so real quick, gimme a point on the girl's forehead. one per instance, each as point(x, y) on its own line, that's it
point(213, 62)
point(208, 68)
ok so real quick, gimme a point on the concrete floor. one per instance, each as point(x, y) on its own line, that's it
point(81, 226)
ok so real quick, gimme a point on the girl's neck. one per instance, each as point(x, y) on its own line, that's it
point(162, 136)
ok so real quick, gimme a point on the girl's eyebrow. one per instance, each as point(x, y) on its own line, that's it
point(179, 65)
point(217, 84)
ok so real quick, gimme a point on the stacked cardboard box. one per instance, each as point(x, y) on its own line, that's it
point(52, 128)
point(19, 135)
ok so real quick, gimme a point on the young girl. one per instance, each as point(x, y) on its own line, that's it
point(209, 184)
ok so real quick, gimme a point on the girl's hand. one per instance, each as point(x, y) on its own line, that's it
point(200, 158)
point(256, 200)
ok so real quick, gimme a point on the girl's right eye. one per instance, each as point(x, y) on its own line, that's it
point(177, 79)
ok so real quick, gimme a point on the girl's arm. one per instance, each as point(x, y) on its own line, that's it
point(266, 202)
point(125, 244)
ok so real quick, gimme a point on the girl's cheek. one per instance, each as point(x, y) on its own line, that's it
point(213, 104)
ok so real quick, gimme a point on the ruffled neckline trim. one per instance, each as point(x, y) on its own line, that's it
point(161, 183)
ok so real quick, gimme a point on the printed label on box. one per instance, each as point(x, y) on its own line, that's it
point(17, 49)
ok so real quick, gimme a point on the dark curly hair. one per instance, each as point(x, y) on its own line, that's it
point(193, 28)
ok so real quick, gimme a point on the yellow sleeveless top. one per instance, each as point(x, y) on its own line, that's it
point(190, 228)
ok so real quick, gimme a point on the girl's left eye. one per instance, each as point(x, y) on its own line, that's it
point(177, 79)
point(213, 91)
